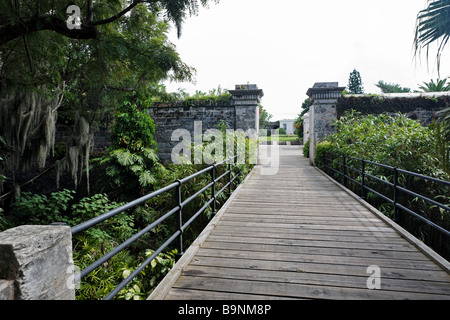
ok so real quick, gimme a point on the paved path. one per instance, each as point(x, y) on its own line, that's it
point(298, 235)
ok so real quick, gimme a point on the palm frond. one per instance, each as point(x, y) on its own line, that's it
point(433, 25)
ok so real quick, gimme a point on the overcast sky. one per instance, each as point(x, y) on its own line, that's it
point(286, 46)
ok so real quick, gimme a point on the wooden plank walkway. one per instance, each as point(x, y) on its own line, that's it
point(299, 235)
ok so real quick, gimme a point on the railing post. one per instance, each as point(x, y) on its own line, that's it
point(344, 166)
point(397, 216)
point(332, 164)
point(363, 180)
point(178, 201)
point(213, 191)
point(229, 180)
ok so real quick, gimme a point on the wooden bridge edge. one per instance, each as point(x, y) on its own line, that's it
point(430, 253)
point(160, 292)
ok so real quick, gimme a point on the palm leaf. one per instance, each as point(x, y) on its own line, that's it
point(433, 25)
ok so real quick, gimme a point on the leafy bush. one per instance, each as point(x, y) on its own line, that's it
point(132, 161)
point(131, 156)
point(40, 209)
point(306, 148)
point(101, 281)
point(395, 141)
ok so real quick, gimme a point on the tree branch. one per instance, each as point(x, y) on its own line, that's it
point(46, 22)
point(129, 89)
point(50, 22)
point(123, 12)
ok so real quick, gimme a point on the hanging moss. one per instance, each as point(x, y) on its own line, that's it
point(77, 153)
point(27, 124)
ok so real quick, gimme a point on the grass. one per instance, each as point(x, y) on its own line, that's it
point(279, 138)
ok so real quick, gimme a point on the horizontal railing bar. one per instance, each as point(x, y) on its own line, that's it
point(125, 244)
point(447, 183)
point(357, 182)
point(124, 283)
point(424, 198)
point(183, 181)
point(354, 169)
point(205, 170)
point(430, 223)
point(380, 165)
point(196, 214)
point(227, 160)
point(223, 175)
point(379, 194)
point(378, 179)
point(185, 202)
point(336, 171)
point(221, 190)
point(86, 225)
point(235, 177)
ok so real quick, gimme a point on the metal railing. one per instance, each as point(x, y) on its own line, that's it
point(178, 209)
point(332, 162)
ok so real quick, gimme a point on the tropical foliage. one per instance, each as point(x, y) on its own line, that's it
point(433, 25)
point(399, 142)
point(391, 87)
point(131, 162)
point(51, 75)
point(438, 86)
point(264, 117)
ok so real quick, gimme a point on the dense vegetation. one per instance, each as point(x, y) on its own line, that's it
point(103, 74)
point(396, 141)
point(129, 169)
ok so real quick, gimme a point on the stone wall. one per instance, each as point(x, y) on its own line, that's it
point(242, 112)
point(421, 106)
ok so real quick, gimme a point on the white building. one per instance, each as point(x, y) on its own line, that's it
point(288, 125)
point(305, 127)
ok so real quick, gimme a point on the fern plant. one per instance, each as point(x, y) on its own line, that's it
point(132, 162)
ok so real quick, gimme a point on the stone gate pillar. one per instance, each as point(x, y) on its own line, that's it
point(322, 113)
point(246, 98)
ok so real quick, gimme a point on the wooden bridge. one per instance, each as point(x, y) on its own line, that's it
point(300, 235)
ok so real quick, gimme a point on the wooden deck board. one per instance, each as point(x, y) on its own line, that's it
point(298, 235)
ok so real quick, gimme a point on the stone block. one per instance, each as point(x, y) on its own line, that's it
point(38, 260)
point(7, 291)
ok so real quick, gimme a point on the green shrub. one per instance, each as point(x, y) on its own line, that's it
point(396, 141)
point(132, 162)
point(392, 140)
point(322, 149)
point(306, 148)
point(40, 209)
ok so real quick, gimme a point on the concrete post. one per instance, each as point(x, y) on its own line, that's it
point(36, 263)
point(322, 112)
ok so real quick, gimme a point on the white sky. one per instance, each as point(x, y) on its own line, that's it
point(286, 46)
